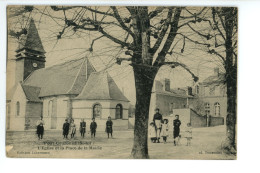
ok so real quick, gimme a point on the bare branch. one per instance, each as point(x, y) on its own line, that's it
point(163, 31)
point(176, 64)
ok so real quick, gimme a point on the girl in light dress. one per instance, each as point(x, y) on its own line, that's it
point(188, 134)
point(152, 132)
point(165, 130)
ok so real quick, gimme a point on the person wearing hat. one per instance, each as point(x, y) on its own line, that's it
point(157, 119)
point(66, 128)
point(40, 128)
point(109, 127)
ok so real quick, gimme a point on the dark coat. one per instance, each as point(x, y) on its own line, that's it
point(176, 128)
point(109, 126)
point(82, 127)
point(66, 128)
point(93, 126)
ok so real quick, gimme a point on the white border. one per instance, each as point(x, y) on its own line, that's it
point(248, 102)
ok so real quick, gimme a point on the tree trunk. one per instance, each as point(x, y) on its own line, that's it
point(144, 78)
point(231, 82)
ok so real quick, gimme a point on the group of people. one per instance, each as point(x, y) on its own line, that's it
point(69, 127)
point(159, 127)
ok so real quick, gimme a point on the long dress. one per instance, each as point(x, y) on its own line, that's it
point(152, 132)
point(165, 132)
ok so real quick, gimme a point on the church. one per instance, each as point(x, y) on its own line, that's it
point(73, 89)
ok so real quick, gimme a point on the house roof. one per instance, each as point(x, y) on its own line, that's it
point(214, 79)
point(31, 40)
point(32, 93)
point(101, 86)
point(61, 79)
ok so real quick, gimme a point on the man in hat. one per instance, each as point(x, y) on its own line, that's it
point(157, 119)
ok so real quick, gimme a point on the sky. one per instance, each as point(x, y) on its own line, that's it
point(73, 46)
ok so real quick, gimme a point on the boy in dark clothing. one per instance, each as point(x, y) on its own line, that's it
point(176, 128)
point(82, 128)
point(66, 128)
point(93, 127)
point(109, 128)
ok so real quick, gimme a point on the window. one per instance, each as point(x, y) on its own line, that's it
point(207, 108)
point(119, 111)
point(17, 108)
point(97, 111)
point(217, 109)
point(50, 108)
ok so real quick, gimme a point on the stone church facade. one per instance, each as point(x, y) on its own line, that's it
point(73, 89)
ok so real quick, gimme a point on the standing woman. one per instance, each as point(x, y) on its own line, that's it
point(40, 128)
point(82, 128)
point(66, 128)
point(72, 129)
point(109, 127)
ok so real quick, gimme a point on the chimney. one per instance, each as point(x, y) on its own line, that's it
point(167, 85)
point(216, 71)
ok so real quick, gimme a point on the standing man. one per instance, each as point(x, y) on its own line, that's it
point(109, 127)
point(82, 128)
point(157, 119)
point(176, 128)
point(93, 127)
point(40, 128)
point(66, 128)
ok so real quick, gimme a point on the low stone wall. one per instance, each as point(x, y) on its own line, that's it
point(216, 121)
point(197, 120)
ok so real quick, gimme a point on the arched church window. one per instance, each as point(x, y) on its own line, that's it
point(17, 108)
point(97, 110)
point(119, 111)
point(217, 109)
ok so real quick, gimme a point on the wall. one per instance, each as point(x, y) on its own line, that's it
point(223, 105)
point(184, 116)
point(197, 120)
point(216, 121)
point(18, 122)
point(33, 114)
point(61, 110)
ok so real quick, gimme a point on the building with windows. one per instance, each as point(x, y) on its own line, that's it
point(212, 91)
point(73, 89)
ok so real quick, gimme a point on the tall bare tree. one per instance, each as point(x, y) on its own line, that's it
point(219, 33)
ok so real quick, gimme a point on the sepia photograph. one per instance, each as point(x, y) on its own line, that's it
point(121, 82)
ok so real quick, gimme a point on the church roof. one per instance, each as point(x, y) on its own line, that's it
point(32, 93)
point(101, 86)
point(31, 40)
point(61, 79)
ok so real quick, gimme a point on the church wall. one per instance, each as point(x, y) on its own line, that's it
point(33, 114)
point(17, 122)
point(19, 71)
point(125, 106)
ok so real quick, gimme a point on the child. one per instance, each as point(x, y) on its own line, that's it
point(93, 127)
point(152, 132)
point(66, 127)
point(82, 128)
point(109, 127)
point(188, 134)
point(72, 129)
point(165, 128)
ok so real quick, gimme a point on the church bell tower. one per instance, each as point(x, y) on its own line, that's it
point(30, 54)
